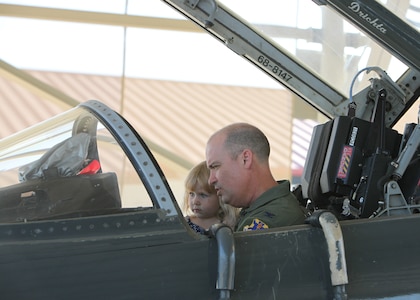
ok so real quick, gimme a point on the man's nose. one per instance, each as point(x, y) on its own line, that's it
point(212, 179)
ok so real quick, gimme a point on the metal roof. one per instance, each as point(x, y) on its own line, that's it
point(176, 116)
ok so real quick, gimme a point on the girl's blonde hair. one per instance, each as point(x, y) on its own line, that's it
point(198, 178)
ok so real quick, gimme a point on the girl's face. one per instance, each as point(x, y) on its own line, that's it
point(203, 204)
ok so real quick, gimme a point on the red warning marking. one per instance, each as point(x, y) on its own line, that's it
point(345, 162)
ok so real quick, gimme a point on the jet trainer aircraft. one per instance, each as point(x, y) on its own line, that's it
point(70, 229)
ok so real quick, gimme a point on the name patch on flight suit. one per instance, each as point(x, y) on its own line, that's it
point(269, 214)
point(256, 225)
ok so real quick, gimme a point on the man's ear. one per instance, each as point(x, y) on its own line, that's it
point(247, 157)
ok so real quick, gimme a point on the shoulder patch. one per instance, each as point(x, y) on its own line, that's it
point(256, 224)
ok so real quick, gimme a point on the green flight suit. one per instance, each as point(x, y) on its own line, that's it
point(274, 208)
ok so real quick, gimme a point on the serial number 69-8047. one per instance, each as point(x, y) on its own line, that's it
point(274, 68)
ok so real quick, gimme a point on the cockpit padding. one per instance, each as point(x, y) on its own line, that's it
point(59, 196)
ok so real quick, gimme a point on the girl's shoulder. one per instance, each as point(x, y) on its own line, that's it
point(194, 226)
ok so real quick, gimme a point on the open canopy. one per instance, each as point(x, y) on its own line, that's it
point(330, 44)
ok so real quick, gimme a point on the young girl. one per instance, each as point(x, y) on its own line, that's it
point(201, 203)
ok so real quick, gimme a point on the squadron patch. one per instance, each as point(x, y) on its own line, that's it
point(256, 225)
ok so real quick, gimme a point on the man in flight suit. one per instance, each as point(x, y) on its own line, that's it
point(238, 158)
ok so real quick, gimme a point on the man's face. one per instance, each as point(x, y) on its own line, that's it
point(226, 174)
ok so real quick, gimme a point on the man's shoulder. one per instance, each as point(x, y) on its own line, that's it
point(272, 209)
point(260, 218)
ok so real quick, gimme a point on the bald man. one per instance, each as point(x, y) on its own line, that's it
point(238, 158)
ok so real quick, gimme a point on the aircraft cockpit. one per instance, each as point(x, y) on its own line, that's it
point(74, 165)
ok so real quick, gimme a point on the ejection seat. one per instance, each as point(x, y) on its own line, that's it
point(350, 168)
point(67, 181)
